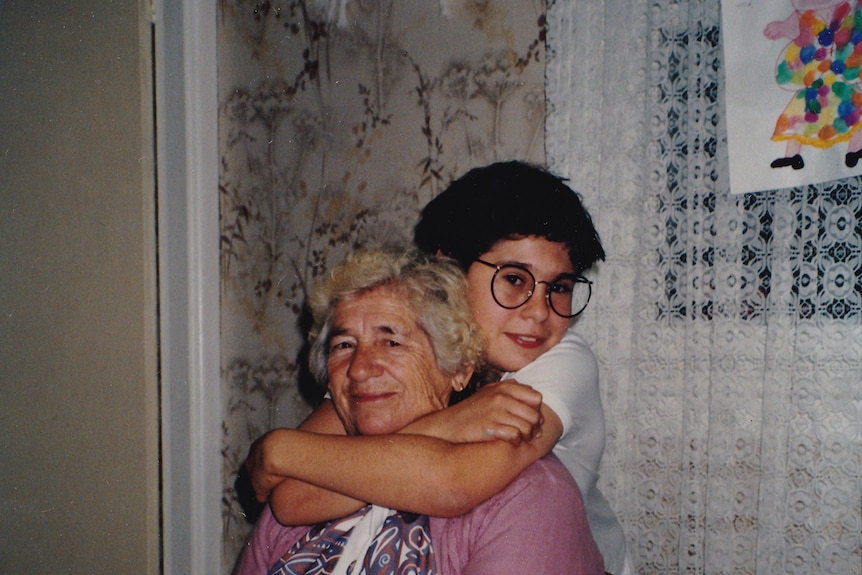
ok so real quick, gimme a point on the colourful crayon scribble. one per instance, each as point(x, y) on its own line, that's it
point(821, 64)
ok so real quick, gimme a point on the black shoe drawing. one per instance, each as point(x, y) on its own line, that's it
point(794, 162)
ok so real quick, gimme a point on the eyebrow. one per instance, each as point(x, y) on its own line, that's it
point(383, 328)
point(387, 329)
point(337, 331)
point(532, 268)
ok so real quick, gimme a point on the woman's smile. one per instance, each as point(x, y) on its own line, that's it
point(371, 397)
point(382, 368)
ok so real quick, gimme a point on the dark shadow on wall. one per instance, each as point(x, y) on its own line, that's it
point(310, 391)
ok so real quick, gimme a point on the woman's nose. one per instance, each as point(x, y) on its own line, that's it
point(364, 364)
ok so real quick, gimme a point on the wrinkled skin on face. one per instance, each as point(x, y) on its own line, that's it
point(382, 368)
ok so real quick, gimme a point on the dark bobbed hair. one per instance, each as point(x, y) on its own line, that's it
point(507, 201)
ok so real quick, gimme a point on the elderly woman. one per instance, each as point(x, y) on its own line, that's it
point(523, 238)
point(392, 340)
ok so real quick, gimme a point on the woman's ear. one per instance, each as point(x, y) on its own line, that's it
point(461, 379)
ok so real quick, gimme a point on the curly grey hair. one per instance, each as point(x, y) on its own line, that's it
point(435, 287)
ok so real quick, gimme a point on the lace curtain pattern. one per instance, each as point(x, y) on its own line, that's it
point(728, 328)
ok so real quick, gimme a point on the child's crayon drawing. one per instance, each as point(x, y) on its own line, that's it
point(821, 66)
point(813, 50)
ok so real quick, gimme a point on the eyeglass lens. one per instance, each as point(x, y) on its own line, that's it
point(512, 286)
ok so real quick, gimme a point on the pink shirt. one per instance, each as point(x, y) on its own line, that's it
point(536, 525)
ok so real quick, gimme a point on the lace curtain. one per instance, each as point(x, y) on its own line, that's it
point(728, 328)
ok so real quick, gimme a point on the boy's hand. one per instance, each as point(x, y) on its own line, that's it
point(505, 410)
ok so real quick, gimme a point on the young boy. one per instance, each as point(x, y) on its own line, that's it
point(523, 239)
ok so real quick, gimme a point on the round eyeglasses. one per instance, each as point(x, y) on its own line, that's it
point(512, 286)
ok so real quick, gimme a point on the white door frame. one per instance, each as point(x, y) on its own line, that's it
point(188, 245)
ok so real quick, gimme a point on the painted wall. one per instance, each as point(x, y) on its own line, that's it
point(78, 391)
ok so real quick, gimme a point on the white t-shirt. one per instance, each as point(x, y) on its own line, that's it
point(567, 375)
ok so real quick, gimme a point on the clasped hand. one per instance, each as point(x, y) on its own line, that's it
point(505, 410)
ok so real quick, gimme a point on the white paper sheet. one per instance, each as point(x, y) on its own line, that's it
point(755, 99)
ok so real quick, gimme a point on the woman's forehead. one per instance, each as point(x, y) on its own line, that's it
point(379, 306)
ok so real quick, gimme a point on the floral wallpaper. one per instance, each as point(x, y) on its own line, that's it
point(339, 120)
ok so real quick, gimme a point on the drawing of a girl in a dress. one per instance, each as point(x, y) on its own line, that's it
point(821, 64)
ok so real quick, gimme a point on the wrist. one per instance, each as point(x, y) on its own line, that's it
point(275, 450)
point(426, 426)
